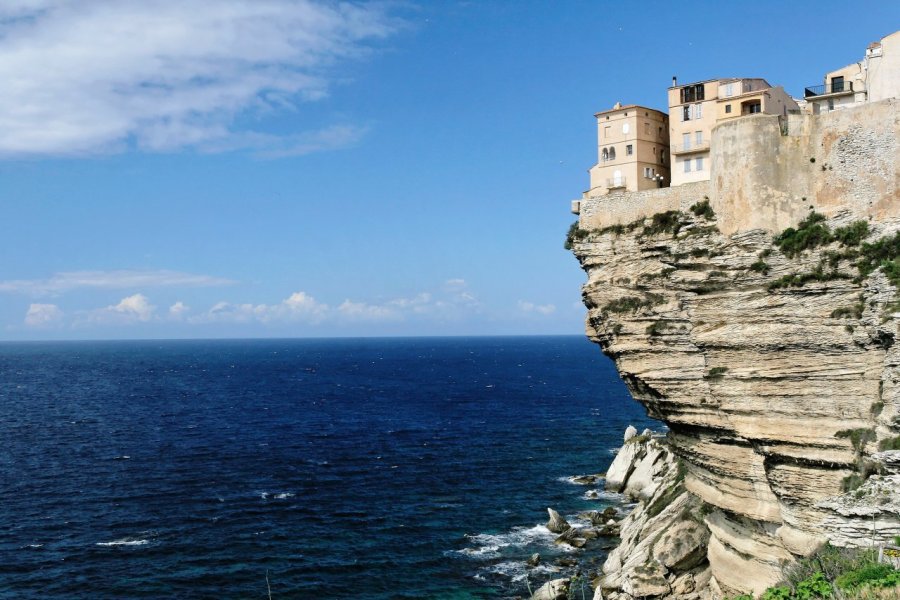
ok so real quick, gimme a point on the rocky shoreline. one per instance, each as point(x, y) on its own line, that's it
point(663, 540)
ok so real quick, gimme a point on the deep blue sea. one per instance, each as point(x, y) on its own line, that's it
point(343, 468)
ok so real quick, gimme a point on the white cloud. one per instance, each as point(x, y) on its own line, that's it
point(542, 309)
point(97, 76)
point(178, 310)
point(43, 315)
point(121, 279)
point(299, 306)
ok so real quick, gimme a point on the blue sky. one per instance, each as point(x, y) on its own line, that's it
point(244, 168)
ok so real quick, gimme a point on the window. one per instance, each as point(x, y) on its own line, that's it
point(692, 93)
point(625, 127)
point(727, 108)
point(629, 150)
point(607, 131)
point(698, 110)
point(660, 132)
point(831, 104)
point(837, 84)
point(685, 141)
point(612, 153)
point(687, 165)
point(686, 113)
point(646, 128)
point(662, 157)
point(699, 166)
point(698, 138)
point(729, 90)
point(604, 156)
point(646, 172)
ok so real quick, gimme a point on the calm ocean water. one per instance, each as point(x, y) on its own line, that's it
point(376, 468)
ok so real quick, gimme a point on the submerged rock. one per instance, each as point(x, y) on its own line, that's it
point(557, 524)
point(586, 479)
point(534, 560)
point(573, 537)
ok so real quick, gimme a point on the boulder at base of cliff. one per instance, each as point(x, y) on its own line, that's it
point(557, 524)
point(683, 546)
point(630, 432)
point(573, 537)
point(622, 466)
point(646, 580)
point(556, 589)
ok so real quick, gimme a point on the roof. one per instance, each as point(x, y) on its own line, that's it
point(628, 107)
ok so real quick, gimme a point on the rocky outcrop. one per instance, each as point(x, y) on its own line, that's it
point(777, 375)
point(663, 546)
point(556, 589)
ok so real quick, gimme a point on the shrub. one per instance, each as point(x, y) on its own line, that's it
point(632, 303)
point(889, 444)
point(811, 232)
point(858, 437)
point(868, 575)
point(703, 209)
point(664, 222)
point(831, 561)
point(813, 587)
point(777, 593)
point(853, 234)
point(574, 234)
point(656, 328)
point(760, 266)
point(717, 372)
point(881, 253)
point(854, 311)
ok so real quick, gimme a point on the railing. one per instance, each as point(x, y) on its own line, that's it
point(686, 148)
point(830, 88)
point(618, 182)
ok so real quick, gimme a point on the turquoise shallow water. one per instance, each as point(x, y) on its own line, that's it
point(378, 468)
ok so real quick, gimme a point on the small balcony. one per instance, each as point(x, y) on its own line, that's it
point(842, 87)
point(615, 183)
point(690, 148)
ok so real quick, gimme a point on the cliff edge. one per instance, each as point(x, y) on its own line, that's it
point(771, 355)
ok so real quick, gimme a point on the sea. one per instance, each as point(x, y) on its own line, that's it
point(395, 468)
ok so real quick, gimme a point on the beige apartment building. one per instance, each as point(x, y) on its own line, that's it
point(695, 108)
point(632, 150)
point(874, 78)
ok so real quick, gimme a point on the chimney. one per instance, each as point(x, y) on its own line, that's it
point(674, 81)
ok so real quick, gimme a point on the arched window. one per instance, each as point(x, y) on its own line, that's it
point(604, 156)
point(612, 153)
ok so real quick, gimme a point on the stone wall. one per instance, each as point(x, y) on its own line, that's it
point(842, 161)
point(625, 207)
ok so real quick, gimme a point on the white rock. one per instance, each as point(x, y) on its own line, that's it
point(630, 432)
point(556, 589)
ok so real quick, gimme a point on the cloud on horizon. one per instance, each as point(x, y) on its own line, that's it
point(43, 315)
point(101, 76)
point(112, 280)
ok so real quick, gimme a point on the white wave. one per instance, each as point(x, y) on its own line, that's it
point(124, 542)
point(603, 495)
point(489, 545)
point(572, 479)
point(517, 571)
point(284, 495)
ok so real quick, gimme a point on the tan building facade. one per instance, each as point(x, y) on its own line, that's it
point(875, 77)
point(695, 108)
point(632, 150)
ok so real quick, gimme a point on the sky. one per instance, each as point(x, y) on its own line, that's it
point(292, 168)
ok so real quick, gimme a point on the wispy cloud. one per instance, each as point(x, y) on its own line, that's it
point(43, 315)
point(112, 280)
point(99, 76)
point(532, 308)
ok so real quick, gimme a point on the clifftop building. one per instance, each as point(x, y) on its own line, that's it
point(874, 78)
point(695, 108)
point(632, 150)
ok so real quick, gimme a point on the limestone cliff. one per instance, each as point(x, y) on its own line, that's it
point(775, 369)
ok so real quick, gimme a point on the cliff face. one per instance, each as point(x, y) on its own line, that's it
point(777, 395)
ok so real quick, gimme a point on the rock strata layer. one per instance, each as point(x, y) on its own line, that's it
point(776, 396)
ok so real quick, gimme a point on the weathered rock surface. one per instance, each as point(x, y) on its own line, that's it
point(761, 388)
point(556, 589)
point(557, 524)
point(664, 539)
